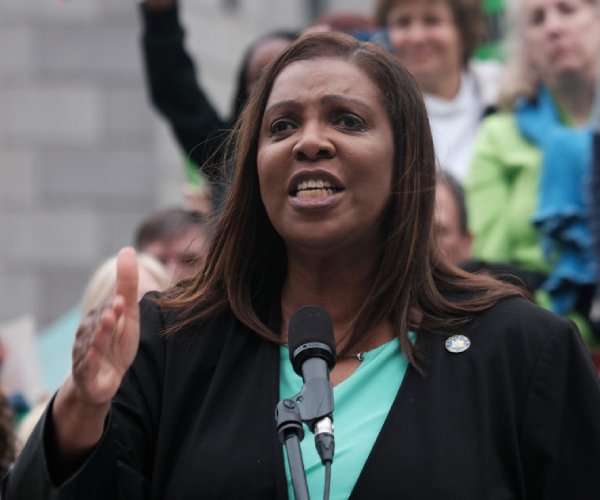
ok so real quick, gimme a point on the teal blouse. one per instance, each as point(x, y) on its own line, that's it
point(362, 403)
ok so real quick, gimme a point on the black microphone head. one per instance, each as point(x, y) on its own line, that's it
point(310, 333)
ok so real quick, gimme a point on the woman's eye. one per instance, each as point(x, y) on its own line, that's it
point(350, 121)
point(281, 127)
point(189, 261)
point(399, 22)
point(432, 20)
point(536, 17)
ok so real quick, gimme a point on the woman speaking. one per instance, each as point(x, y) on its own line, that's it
point(446, 385)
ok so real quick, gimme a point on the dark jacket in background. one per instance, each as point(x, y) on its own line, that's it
point(176, 94)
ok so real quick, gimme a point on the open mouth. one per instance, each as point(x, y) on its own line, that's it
point(314, 188)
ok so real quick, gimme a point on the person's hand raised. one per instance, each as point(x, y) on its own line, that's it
point(105, 346)
point(107, 340)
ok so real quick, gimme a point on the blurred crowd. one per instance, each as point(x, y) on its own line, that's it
point(512, 97)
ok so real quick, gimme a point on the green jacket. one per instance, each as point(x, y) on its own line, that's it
point(501, 192)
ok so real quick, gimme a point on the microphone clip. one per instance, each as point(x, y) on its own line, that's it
point(289, 421)
point(316, 413)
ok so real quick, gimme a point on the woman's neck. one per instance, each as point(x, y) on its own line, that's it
point(575, 99)
point(338, 287)
point(337, 291)
point(444, 88)
point(341, 290)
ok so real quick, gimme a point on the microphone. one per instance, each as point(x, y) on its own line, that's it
point(312, 354)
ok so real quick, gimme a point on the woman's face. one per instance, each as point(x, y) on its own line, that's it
point(325, 156)
point(562, 39)
point(426, 39)
point(452, 240)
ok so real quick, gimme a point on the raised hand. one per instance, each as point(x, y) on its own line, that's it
point(108, 337)
point(104, 348)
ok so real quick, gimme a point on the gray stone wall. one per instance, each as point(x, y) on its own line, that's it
point(82, 155)
point(77, 161)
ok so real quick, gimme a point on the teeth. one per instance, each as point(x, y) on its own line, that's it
point(314, 184)
point(314, 193)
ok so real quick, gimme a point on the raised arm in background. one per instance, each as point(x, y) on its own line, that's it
point(173, 86)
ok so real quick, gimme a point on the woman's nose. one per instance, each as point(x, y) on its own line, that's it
point(554, 21)
point(416, 32)
point(313, 144)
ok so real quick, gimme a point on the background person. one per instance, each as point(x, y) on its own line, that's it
point(527, 189)
point(455, 239)
point(175, 236)
point(335, 172)
point(595, 216)
point(7, 436)
point(7, 432)
point(436, 41)
point(177, 95)
point(152, 276)
point(451, 223)
point(178, 238)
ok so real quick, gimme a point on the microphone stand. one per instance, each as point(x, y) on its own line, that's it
point(290, 432)
point(314, 406)
point(312, 354)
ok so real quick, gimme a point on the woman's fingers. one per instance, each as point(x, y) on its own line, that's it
point(127, 280)
point(91, 351)
point(100, 318)
point(101, 339)
point(107, 339)
point(127, 308)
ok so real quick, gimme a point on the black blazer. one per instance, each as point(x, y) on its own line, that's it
point(516, 416)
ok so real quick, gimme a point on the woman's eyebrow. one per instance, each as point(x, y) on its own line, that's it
point(344, 98)
point(326, 99)
point(287, 104)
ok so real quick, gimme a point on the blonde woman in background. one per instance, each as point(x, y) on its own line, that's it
point(102, 285)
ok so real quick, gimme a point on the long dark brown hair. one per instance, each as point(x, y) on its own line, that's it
point(413, 286)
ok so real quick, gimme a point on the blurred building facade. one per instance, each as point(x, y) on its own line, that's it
point(83, 157)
